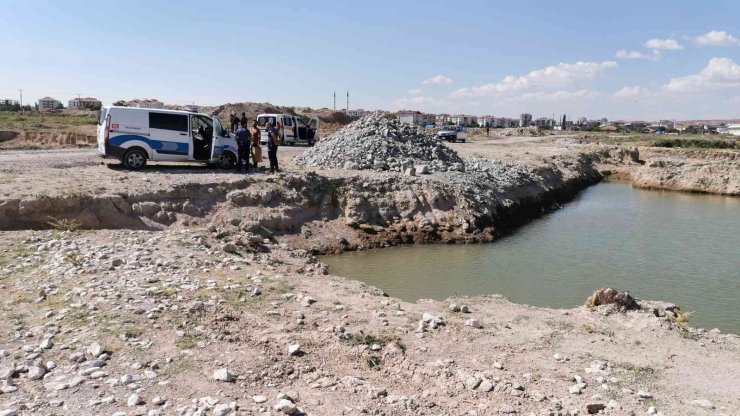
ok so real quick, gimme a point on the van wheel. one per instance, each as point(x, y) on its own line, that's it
point(134, 159)
point(311, 143)
point(227, 161)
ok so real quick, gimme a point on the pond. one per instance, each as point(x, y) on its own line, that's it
point(677, 247)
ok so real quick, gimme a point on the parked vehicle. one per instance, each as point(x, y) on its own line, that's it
point(137, 135)
point(295, 129)
point(453, 133)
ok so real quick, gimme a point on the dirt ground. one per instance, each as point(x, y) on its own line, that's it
point(212, 318)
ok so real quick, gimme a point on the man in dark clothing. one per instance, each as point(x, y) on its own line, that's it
point(244, 120)
point(234, 122)
point(242, 144)
point(272, 146)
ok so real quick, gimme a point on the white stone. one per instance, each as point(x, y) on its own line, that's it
point(286, 406)
point(222, 410)
point(36, 372)
point(560, 357)
point(259, 399)
point(294, 349)
point(474, 323)
point(703, 403)
point(133, 400)
point(222, 374)
point(644, 395)
point(652, 410)
point(95, 349)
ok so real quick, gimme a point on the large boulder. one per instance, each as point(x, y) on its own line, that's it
point(608, 295)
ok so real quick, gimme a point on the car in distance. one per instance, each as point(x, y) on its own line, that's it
point(453, 133)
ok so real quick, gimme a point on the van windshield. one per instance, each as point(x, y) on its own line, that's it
point(101, 118)
point(263, 120)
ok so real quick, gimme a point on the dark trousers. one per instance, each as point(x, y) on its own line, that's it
point(242, 157)
point(272, 155)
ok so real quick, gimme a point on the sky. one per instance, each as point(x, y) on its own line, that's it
point(657, 59)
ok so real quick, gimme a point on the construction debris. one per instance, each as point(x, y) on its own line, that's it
point(382, 143)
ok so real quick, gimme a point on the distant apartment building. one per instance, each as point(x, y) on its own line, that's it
point(84, 103)
point(416, 117)
point(358, 113)
point(485, 121)
point(441, 119)
point(145, 103)
point(636, 125)
point(733, 129)
point(462, 120)
point(544, 123)
point(525, 120)
point(8, 102)
point(505, 122)
point(48, 104)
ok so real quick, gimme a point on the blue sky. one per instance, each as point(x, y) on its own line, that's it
point(626, 59)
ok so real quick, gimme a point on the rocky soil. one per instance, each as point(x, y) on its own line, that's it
point(205, 322)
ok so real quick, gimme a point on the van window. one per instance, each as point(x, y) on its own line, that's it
point(299, 123)
point(263, 120)
point(101, 118)
point(287, 121)
point(164, 121)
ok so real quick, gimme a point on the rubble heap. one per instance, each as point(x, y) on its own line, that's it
point(382, 143)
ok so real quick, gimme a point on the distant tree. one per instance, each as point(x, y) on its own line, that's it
point(120, 103)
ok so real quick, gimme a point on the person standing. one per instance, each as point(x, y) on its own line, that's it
point(244, 120)
point(272, 146)
point(488, 130)
point(234, 122)
point(242, 144)
point(256, 146)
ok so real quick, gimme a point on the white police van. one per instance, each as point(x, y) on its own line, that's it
point(295, 129)
point(136, 135)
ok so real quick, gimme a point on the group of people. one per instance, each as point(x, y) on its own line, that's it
point(248, 143)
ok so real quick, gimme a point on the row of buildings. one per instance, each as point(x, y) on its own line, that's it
point(84, 103)
point(425, 119)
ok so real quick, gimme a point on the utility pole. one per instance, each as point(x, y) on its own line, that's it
point(335, 101)
point(21, 91)
point(347, 100)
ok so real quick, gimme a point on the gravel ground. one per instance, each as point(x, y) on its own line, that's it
point(184, 322)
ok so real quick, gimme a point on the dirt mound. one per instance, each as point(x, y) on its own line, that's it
point(382, 143)
point(330, 120)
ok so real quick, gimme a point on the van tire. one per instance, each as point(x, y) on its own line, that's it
point(134, 159)
point(227, 161)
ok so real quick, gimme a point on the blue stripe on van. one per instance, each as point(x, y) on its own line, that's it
point(160, 146)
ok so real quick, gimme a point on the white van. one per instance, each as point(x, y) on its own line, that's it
point(135, 135)
point(295, 130)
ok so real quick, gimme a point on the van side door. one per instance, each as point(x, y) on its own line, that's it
point(289, 129)
point(168, 136)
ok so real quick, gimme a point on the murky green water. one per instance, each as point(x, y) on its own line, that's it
point(677, 247)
